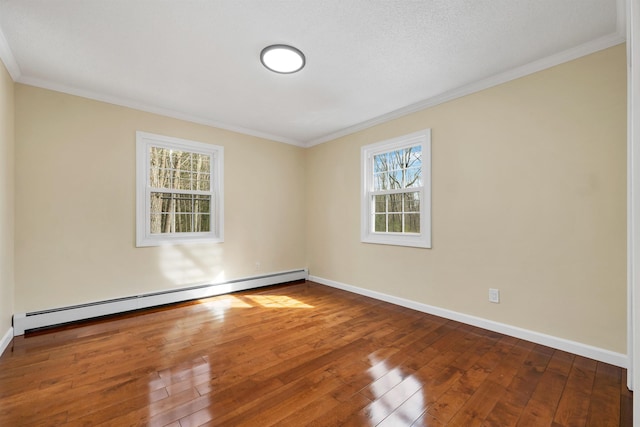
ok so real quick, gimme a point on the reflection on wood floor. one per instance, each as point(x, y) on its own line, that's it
point(296, 355)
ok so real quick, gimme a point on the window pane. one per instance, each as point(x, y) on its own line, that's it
point(395, 179)
point(202, 182)
point(413, 177)
point(159, 157)
point(182, 184)
point(156, 202)
point(395, 223)
point(159, 171)
point(201, 222)
point(380, 223)
point(180, 160)
point(166, 223)
point(164, 178)
point(162, 202)
point(162, 206)
point(412, 202)
point(415, 156)
point(396, 160)
point(183, 223)
point(156, 223)
point(381, 163)
point(381, 181)
point(380, 203)
point(412, 223)
point(180, 179)
point(184, 203)
point(201, 163)
point(395, 202)
point(202, 204)
point(154, 177)
point(168, 203)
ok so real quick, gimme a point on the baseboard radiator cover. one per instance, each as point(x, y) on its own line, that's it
point(57, 316)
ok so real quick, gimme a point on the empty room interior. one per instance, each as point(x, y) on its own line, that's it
point(425, 218)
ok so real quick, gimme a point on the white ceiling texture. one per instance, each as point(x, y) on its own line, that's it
point(367, 60)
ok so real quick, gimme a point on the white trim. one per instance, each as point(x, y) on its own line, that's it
point(500, 78)
point(600, 354)
point(6, 340)
point(633, 202)
point(25, 321)
point(633, 186)
point(6, 55)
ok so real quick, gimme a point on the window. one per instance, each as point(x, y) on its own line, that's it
point(179, 191)
point(396, 191)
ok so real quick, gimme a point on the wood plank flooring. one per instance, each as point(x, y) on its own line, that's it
point(296, 355)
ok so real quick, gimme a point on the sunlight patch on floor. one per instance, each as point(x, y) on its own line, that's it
point(221, 304)
point(277, 301)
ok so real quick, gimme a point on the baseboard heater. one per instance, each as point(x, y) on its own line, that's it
point(58, 316)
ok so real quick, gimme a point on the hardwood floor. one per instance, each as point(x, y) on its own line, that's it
point(296, 355)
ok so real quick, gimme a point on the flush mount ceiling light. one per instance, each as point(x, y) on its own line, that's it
point(283, 59)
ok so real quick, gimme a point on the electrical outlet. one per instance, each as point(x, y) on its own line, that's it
point(494, 295)
point(257, 265)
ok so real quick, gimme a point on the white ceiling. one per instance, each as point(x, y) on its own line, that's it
point(367, 60)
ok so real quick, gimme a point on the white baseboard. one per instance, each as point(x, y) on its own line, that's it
point(6, 340)
point(596, 353)
point(25, 321)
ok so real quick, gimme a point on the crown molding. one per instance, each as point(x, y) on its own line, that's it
point(129, 103)
point(6, 55)
point(503, 77)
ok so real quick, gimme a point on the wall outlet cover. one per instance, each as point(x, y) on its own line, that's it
point(494, 295)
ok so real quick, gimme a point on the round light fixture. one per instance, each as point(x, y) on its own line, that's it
point(283, 59)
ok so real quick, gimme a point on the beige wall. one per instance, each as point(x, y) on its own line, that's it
point(529, 196)
point(75, 198)
point(6, 199)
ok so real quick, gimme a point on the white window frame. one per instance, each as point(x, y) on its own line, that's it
point(368, 235)
point(144, 237)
